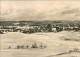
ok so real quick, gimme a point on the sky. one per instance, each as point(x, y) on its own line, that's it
point(39, 10)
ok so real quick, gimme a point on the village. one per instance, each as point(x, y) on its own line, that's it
point(39, 28)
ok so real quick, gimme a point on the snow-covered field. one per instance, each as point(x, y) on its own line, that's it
point(56, 43)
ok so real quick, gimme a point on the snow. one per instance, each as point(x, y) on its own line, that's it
point(54, 41)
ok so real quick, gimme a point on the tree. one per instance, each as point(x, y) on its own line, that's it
point(49, 28)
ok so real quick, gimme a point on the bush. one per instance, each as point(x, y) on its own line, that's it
point(45, 46)
point(9, 47)
point(42, 46)
point(22, 47)
point(18, 46)
point(75, 50)
point(27, 46)
point(34, 45)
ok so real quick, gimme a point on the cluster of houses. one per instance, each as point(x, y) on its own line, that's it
point(40, 28)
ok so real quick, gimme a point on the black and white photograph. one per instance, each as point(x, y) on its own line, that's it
point(39, 28)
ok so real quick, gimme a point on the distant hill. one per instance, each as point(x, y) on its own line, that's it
point(22, 23)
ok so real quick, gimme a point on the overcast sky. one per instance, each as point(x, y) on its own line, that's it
point(39, 10)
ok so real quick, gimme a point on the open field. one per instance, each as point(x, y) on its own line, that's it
point(56, 44)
